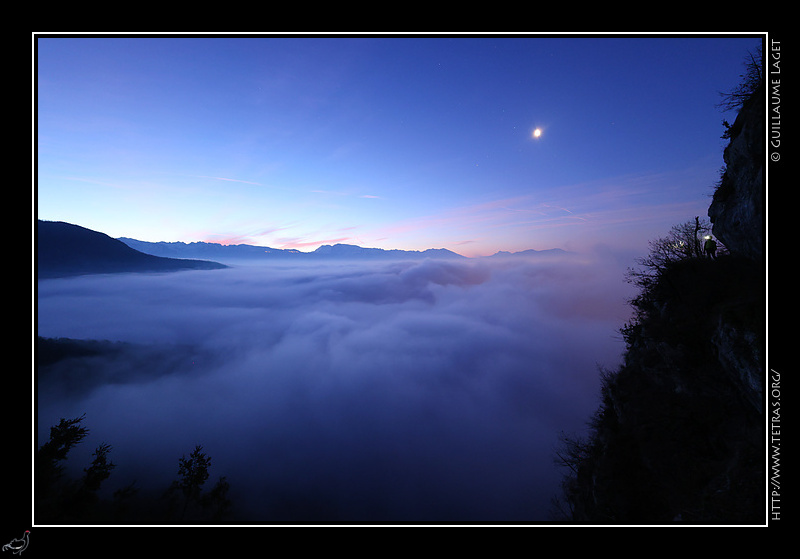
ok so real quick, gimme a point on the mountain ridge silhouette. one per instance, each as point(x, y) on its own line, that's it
point(64, 249)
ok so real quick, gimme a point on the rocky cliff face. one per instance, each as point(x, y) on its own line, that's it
point(678, 436)
point(737, 212)
point(737, 209)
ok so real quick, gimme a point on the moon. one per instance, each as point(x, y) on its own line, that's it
point(537, 132)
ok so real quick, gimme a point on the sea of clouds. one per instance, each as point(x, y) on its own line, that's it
point(422, 391)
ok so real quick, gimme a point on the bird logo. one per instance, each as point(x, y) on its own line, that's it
point(17, 546)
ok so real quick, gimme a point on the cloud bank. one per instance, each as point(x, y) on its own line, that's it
point(430, 391)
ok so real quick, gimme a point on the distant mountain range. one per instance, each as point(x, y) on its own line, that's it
point(530, 252)
point(231, 253)
point(64, 249)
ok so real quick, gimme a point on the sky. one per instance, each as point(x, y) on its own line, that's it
point(389, 142)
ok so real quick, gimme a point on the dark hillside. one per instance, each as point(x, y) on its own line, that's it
point(63, 249)
point(679, 432)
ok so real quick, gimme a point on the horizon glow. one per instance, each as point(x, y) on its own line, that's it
point(395, 143)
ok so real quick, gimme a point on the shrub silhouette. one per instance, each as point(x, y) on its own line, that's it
point(193, 472)
point(59, 500)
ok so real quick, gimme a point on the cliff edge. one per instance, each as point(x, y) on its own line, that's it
point(679, 433)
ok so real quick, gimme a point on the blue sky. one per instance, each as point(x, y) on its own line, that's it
point(396, 142)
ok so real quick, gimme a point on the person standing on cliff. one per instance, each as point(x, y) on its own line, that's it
point(710, 247)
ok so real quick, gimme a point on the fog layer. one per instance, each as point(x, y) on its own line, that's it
point(384, 392)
